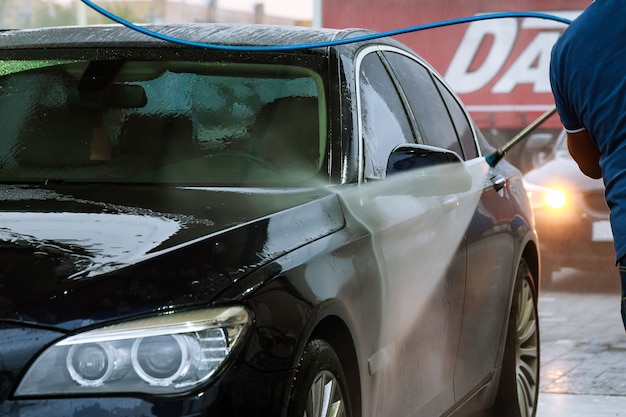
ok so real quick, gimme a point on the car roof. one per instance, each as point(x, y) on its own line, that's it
point(215, 33)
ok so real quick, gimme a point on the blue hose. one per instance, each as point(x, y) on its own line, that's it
point(274, 48)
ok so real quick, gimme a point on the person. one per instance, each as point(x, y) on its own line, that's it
point(588, 80)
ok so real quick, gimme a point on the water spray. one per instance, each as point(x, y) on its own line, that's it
point(495, 157)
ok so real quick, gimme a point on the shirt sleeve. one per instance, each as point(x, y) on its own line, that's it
point(569, 119)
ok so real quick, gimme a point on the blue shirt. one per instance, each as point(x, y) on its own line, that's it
point(588, 77)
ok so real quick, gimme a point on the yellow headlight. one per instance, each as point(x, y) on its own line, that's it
point(541, 196)
point(555, 199)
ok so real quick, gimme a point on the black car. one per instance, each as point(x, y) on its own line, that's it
point(192, 231)
point(571, 216)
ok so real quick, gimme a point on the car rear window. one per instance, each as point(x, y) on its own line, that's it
point(170, 122)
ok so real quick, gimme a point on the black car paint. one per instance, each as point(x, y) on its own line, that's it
point(39, 293)
point(313, 285)
point(231, 242)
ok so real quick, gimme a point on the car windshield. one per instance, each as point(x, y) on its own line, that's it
point(160, 122)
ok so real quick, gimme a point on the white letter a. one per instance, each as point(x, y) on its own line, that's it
point(459, 76)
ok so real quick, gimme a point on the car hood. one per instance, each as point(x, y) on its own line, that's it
point(564, 172)
point(78, 255)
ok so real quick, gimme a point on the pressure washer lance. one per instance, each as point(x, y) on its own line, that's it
point(495, 157)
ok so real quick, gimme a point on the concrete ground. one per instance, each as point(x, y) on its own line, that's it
point(583, 347)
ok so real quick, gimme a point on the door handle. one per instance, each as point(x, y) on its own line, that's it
point(449, 203)
point(498, 183)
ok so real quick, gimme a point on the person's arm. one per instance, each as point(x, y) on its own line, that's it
point(585, 152)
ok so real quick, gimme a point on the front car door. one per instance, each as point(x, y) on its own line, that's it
point(422, 289)
point(490, 242)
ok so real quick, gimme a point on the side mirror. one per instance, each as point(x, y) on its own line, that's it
point(413, 156)
point(430, 170)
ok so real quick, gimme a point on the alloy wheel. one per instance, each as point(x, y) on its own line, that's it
point(527, 350)
point(324, 398)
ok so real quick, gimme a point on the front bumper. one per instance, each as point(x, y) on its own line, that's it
point(238, 391)
point(579, 240)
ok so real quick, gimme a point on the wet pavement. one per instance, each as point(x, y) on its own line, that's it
point(583, 347)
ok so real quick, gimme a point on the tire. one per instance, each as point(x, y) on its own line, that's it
point(320, 388)
point(518, 390)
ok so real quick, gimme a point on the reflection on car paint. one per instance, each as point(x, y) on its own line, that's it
point(96, 243)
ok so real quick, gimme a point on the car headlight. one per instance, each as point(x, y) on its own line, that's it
point(541, 197)
point(166, 355)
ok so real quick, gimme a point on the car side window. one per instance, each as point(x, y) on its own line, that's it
point(426, 103)
point(461, 123)
point(384, 122)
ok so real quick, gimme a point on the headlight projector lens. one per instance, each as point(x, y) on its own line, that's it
point(163, 360)
point(94, 364)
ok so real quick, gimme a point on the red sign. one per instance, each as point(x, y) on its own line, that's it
point(499, 67)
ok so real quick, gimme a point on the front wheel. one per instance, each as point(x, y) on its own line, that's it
point(320, 388)
point(519, 382)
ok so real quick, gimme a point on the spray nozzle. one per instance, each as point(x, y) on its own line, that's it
point(495, 157)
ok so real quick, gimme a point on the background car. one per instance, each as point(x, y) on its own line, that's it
point(571, 215)
point(188, 231)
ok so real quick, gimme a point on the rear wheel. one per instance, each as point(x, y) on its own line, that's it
point(519, 382)
point(320, 388)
